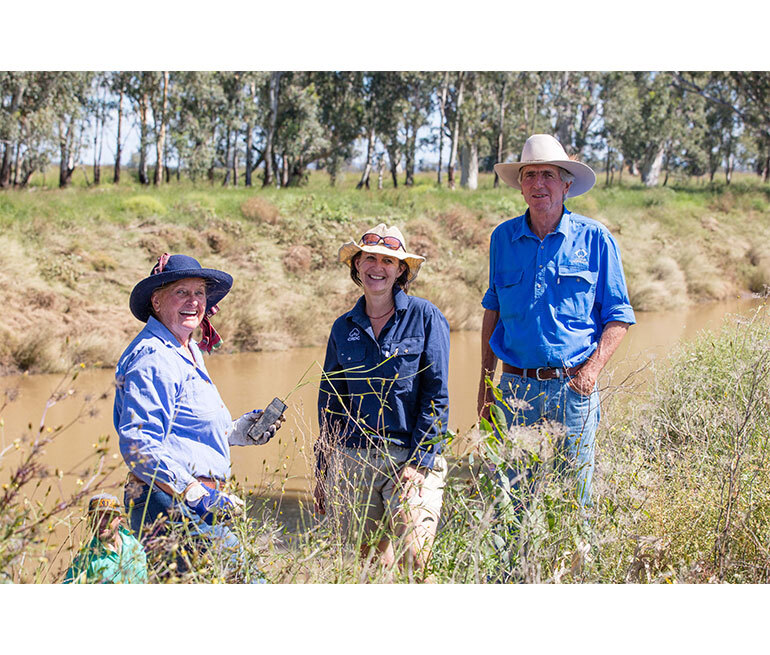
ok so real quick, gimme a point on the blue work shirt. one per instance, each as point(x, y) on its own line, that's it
point(393, 389)
point(556, 295)
point(170, 419)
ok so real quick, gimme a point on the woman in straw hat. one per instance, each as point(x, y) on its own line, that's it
point(383, 407)
point(174, 429)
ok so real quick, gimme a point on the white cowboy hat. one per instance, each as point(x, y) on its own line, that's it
point(348, 250)
point(544, 149)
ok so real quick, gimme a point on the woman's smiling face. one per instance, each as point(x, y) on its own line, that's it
point(180, 306)
point(378, 272)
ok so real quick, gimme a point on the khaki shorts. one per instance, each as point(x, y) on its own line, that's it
point(361, 491)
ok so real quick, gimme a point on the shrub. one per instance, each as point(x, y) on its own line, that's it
point(143, 206)
point(259, 210)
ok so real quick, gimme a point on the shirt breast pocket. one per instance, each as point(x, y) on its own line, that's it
point(576, 290)
point(404, 362)
point(351, 354)
point(512, 293)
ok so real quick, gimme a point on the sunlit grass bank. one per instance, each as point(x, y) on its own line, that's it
point(71, 257)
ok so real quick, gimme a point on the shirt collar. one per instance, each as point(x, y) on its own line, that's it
point(157, 329)
point(524, 230)
point(358, 313)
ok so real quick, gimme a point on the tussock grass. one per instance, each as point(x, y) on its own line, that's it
point(78, 252)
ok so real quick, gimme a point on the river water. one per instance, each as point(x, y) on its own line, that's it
point(250, 380)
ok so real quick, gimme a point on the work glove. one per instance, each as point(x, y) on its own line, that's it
point(239, 434)
point(202, 500)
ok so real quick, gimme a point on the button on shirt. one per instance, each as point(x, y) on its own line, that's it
point(170, 419)
point(394, 388)
point(556, 295)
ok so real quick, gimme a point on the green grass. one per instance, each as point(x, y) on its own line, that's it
point(683, 244)
point(681, 494)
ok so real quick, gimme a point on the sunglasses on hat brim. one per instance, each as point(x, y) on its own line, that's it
point(371, 239)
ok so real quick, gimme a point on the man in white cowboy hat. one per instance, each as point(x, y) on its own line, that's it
point(556, 308)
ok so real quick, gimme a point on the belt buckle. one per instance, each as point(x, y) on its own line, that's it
point(537, 374)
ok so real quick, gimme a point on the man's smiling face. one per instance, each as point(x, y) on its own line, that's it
point(543, 188)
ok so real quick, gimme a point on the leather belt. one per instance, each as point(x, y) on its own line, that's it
point(211, 483)
point(541, 373)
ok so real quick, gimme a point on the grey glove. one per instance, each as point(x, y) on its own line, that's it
point(239, 435)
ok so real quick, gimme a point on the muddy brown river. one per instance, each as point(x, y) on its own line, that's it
point(247, 381)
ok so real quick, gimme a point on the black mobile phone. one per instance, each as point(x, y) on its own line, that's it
point(272, 413)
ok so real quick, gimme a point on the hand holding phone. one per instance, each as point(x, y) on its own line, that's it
point(262, 430)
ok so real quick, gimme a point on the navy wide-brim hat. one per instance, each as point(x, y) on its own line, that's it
point(178, 267)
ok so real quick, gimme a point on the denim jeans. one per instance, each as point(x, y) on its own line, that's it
point(554, 400)
point(145, 505)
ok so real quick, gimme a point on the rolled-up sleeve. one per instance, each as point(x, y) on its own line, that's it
point(611, 290)
point(490, 301)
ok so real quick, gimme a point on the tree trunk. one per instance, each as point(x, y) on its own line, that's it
point(160, 142)
point(119, 147)
point(249, 153)
point(227, 159)
point(144, 109)
point(500, 128)
point(235, 161)
point(469, 178)
point(273, 94)
point(284, 171)
point(364, 181)
point(5, 169)
point(393, 158)
point(67, 157)
point(411, 153)
point(442, 110)
point(455, 134)
point(380, 169)
point(652, 165)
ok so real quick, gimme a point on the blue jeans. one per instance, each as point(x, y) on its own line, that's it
point(145, 505)
point(554, 400)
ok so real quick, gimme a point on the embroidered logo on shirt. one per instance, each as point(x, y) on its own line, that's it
point(354, 335)
point(580, 256)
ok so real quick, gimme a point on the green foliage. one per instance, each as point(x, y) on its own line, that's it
point(143, 206)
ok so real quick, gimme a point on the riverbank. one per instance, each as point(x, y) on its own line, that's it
point(71, 257)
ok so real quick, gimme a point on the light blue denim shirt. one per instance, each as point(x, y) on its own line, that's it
point(394, 388)
point(556, 295)
point(170, 419)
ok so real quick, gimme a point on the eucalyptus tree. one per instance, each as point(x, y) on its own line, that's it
point(341, 114)
point(140, 87)
point(195, 104)
point(418, 91)
point(453, 113)
point(26, 124)
point(118, 81)
point(639, 111)
point(747, 95)
point(253, 109)
point(573, 101)
point(301, 139)
point(70, 109)
point(477, 110)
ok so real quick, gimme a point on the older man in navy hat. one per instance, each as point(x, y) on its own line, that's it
point(556, 308)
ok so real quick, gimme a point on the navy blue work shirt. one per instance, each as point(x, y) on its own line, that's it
point(556, 295)
point(393, 389)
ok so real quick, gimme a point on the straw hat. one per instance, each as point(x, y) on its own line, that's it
point(348, 250)
point(544, 149)
point(178, 267)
